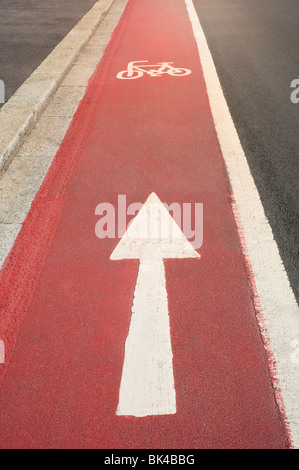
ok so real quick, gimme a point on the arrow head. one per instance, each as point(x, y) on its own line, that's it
point(153, 233)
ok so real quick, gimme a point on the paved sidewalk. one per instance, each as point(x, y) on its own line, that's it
point(23, 177)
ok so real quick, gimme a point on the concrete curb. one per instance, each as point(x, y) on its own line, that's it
point(22, 110)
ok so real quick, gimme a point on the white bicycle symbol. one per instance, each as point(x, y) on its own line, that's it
point(136, 71)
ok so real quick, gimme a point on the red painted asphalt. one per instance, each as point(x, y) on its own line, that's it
point(67, 307)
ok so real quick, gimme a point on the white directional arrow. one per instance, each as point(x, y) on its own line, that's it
point(147, 383)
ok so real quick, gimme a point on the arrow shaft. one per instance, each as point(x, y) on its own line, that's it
point(147, 384)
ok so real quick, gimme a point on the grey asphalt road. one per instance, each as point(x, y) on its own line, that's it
point(29, 31)
point(254, 44)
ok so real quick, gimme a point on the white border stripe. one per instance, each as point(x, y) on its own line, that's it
point(276, 308)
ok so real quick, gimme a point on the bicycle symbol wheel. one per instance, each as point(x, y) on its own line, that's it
point(178, 72)
point(124, 74)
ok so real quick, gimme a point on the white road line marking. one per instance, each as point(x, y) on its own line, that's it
point(2, 352)
point(276, 307)
point(147, 384)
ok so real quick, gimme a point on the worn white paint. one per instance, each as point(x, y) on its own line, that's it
point(2, 352)
point(147, 384)
point(276, 308)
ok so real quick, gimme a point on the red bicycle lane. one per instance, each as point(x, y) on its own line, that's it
point(67, 306)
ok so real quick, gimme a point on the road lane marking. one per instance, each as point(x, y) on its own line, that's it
point(2, 92)
point(147, 384)
point(223, 390)
point(276, 308)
